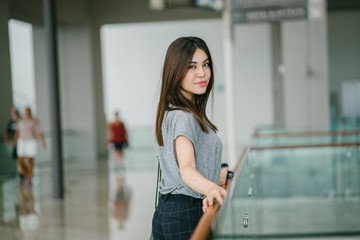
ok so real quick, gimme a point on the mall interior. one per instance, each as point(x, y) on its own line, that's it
point(286, 104)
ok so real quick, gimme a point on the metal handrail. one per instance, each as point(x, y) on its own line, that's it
point(308, 133)
point(350, 144)
point(203, 228)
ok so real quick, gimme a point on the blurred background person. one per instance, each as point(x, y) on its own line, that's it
point(28, 217)
point(116, 135)
point(27, 132)
point(11, 129)
point(119, 195)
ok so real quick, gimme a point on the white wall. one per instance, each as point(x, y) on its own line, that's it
point(22, 65)
point(133, 56)
point(253, 77)
point(306, 87)
point(344, 49)
point(350, 91)
point(76, 90)
point(41, 77)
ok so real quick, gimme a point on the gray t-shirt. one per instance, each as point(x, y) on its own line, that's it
point(208, 151)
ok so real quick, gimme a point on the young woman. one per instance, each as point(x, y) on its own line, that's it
point(27, 132)
point(189, 148)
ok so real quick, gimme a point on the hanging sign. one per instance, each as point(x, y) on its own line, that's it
point(245, 11)
point(268, 10)
point(169, 4)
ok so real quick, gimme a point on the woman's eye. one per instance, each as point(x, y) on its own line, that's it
point(207, 64)
point(192, 67)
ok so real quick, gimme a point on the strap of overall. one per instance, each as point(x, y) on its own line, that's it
point(157, 196)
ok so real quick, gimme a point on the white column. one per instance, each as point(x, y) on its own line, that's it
point(99, 114)
point(305, 60)
point(41, 87)
point(229, 85)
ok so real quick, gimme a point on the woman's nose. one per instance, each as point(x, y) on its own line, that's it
point(201, 72)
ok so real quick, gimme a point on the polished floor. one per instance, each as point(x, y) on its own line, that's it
point(104, 199)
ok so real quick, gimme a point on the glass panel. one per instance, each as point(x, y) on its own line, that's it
point(296, 192)
point(307, 192)
point(230, 220)
point(271, 129)
point(314, 138)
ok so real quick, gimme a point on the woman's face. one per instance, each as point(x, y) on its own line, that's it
point(198, 76)
point(27, 113)
point(14, 114)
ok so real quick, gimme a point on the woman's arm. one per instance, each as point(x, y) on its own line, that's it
point(192, 178)
point(223, 175)
point(108, 133)
point(16, 136)
point(41, 136)
point(125, 134)
point(6, 138)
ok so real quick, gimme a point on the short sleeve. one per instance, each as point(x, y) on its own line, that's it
point(184, 123)
point(19, 124)
point(37, 126)
point(207, 149)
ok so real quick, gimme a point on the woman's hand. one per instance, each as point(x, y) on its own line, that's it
point(215, 192)
point(223, 175)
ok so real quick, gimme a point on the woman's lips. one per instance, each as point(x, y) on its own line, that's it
point(201, 83)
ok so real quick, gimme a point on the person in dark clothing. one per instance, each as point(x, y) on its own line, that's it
point(11, 129)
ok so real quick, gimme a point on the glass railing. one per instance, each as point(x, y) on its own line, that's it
point(266, 137)
point(271, 129)
point(294, 189)
point(77, 144)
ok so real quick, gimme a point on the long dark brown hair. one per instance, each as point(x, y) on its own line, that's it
point(178, 58)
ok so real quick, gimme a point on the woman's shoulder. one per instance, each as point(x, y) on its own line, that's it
point(180, 114)
point(34, 120)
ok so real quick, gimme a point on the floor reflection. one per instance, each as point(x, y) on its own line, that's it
point(20, 211)
point(119, 191)
point(111, 198)
point(28, 217)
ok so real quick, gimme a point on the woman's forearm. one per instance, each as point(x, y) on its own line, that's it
point(16, 136)
point(191, 177)
point(196, 181)
point(41, 136)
